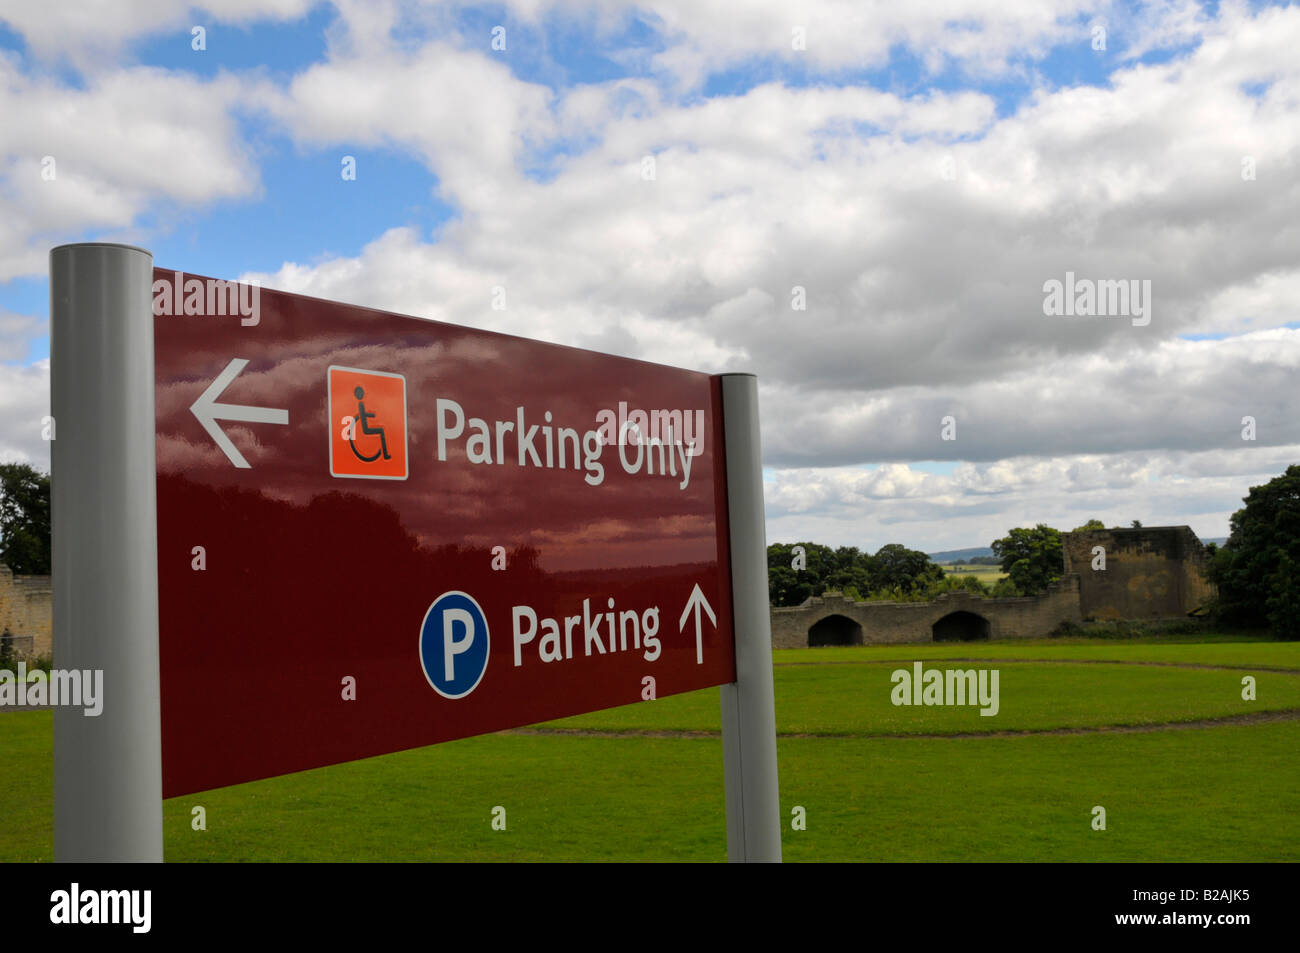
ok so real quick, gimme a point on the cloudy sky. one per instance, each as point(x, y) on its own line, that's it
point(862, 203)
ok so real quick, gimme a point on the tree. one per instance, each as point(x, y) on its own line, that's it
point(1031, 557)
point(894, 572)
point(849, 573)
point(896, 567)
point(845, 569)
point(1137, 524)
point(1090, 525)
point(786, 585)
point(1257, 571)
point(25, 519)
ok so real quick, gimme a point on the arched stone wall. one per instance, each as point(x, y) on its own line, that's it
point(834, 630)
point(961, 626)
point(892, 622)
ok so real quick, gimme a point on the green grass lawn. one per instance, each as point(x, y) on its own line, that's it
point(854, 699)
point(1220, 793)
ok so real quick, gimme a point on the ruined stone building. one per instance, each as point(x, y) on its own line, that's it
point(1147, 574)
point(25, 614)
point(1155, 572)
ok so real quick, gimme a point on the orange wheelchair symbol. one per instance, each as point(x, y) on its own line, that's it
point(367, 424)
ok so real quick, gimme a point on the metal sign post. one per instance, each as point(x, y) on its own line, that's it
point(748, 704)
point(108, 767)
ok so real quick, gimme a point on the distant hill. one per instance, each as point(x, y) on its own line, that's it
point(948, 555)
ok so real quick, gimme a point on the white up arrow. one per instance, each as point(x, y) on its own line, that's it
point(697, 602)
point(207, 411)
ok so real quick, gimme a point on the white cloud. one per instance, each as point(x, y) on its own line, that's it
point(713, 35)
point(1177, 395)
point(24, 401)
point(92, 34)
point(467, 115)
point(17, 331)
point(911, 278)
point(73, 160)
point(976, 504)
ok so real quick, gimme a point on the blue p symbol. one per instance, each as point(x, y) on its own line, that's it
point(454, 644)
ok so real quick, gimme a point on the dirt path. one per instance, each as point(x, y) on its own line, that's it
point(1252, 718)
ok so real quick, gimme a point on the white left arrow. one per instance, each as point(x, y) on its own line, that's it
point(207, 411)
point(697, 602)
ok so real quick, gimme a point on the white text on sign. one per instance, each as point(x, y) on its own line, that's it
point(597, 634)
point(552, 447)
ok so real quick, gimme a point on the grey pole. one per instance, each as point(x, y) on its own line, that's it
point(107, 768)
point(748, 704)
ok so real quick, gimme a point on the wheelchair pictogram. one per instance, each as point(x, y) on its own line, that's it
point(367, 423)
point(363, 424)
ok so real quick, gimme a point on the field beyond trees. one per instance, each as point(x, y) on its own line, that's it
point(988, 575)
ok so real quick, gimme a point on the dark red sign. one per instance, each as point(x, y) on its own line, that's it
point(377, 532)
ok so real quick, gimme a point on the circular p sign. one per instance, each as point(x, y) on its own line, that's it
point(454, 644)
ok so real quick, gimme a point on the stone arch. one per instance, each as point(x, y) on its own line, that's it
point(834, 630)
point(960, 626)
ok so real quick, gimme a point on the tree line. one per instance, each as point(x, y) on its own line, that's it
point(894, 573)
point(1256, 572)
